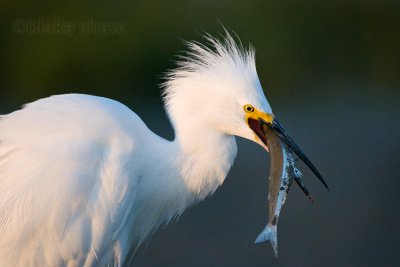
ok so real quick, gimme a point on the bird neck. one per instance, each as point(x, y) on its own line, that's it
point(205, 157)
point(188, 169)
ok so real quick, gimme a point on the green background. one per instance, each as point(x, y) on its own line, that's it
point(331, 71)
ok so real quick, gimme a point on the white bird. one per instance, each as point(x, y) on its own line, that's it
point(83, 181)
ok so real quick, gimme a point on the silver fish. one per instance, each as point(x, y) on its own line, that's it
point(282, 173)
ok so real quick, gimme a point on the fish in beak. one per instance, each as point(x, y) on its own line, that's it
point(282, 171)
point(259, 127)
point(280, 131)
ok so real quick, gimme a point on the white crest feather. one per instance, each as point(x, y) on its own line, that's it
point(215, 56)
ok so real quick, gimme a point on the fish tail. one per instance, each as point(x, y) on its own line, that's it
point(269, 233)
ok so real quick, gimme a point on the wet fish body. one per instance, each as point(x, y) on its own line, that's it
point(281, 176)
point(282, 171)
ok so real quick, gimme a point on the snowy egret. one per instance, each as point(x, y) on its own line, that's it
point(83, 180)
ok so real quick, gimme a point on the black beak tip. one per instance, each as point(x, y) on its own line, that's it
point(292, 145)
point(323, 182)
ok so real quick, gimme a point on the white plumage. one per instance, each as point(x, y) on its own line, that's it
point(83, 180)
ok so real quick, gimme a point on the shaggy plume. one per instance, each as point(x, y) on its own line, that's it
point(215, 56)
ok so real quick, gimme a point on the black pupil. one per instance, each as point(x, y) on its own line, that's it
point(249, 109)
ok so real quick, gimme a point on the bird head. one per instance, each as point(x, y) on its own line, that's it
point(215, 89)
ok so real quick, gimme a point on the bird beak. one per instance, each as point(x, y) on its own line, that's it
point(256, 124)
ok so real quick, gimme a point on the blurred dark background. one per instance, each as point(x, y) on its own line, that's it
point(331, 71)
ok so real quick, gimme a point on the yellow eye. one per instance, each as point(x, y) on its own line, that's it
point(248, 108)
